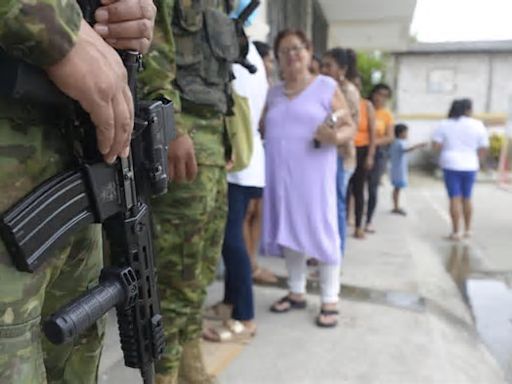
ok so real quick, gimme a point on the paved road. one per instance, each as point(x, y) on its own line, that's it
point(404, 313)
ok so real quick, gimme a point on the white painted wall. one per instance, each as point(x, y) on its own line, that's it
point(369, 24)
point(473, 78)
point(502, 82)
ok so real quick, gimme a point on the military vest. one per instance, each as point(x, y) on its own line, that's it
point(206, 46)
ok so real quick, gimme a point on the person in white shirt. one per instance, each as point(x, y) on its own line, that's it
point(461, 140)
point(237, 307)
point(252, 221)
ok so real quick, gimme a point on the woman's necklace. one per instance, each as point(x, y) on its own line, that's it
point(290, 92)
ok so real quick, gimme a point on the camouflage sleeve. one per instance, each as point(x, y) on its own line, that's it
point(39, 31)
point(160, 63)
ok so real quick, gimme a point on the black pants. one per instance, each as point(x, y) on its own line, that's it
point(357, 182)
point(374, 176)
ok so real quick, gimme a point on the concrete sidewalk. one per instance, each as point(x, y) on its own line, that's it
point(402, 318)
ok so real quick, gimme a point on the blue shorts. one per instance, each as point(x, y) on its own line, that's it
point(399, 184)
point(459, 183)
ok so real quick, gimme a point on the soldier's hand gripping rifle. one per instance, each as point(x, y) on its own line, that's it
point(116, 195)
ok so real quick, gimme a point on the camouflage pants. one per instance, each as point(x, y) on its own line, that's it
point(190, 222)
point(32, 150)
point(26, 357)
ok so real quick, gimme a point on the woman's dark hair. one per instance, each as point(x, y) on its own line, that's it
point(262, 48)
point(459, 108)
point(399, 129)
point(291, 32)
point(352, 72)
point(339, 55)
point(345, 58)
point(378, 87)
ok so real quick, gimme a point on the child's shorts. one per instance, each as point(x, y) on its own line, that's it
point(399, 184)
point(459, 183)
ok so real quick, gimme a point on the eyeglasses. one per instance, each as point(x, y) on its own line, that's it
point(294, 50)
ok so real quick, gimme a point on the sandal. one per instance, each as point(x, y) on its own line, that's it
point(327, 312)
point(217, 334)
point(292, 304)
point(263, 276)
point(231, 330)
point(240, 331)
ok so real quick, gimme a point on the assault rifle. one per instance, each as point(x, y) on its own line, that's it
point(115, 195)
point(243, 41)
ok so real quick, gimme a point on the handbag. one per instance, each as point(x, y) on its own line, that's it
point(239, 130)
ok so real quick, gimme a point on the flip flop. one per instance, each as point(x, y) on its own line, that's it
point(327, 312)
point(292, 304)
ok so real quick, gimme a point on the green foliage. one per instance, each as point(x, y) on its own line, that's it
point(369, 65)
point(496, 142)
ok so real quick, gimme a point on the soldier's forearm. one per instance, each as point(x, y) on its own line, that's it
point(25, 26)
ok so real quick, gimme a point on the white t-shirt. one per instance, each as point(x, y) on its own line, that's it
point(254, 87)
point(460, 139)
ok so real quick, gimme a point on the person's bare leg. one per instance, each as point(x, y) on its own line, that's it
point(467, 209)
point(252, 233)
point(350, 212)
point(455, 211)
point(396, 194)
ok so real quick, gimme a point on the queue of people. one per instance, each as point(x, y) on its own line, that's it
point(319, 136)
point(326, 150)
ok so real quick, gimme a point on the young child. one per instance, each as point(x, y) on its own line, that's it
point(398, 160)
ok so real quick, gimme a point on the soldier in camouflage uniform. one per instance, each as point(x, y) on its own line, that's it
point(52, 35)
point(190, 219)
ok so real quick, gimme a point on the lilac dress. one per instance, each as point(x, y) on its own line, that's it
point(299, 203)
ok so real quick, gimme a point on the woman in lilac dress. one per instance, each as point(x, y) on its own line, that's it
point(299, 203)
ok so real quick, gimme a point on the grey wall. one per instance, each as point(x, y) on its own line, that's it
point(302, 14)
point(485, 78)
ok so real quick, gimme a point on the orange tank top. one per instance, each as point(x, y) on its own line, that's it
point(383, 119)
point(362, 138)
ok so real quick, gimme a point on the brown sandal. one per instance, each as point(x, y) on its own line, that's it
point(230, 330)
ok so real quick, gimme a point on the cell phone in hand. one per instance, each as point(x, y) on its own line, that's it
point(330, 121)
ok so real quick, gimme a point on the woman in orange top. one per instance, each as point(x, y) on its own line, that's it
point(365, 150)
point(379, 97)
